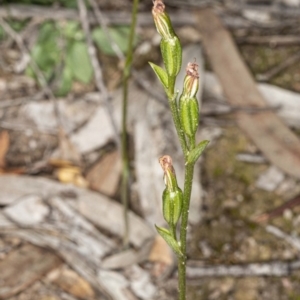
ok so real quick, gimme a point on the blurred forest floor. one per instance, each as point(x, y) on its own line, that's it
point(61, 221)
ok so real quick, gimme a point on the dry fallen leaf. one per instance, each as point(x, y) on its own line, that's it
point(162, 257)
point(104, 176)
point(4, 146)
point(161, 252)
point(72, 283)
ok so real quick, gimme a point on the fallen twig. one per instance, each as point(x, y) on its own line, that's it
point(96, 66)
point(294, 241)
point(278, 211)
point(275, 10)
point(277, 268)
point(273, 40)
point(20, 101)
point(279, 68)
point(22, 12)
point(40, 76)
point(181, 18)
point(277, 142)
point(103, 21)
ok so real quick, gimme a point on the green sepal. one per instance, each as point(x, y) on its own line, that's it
point(196, 152)
point(172, 55)
point(161, 74)
point(172, 205)
point(166, 235)
point(189, 115)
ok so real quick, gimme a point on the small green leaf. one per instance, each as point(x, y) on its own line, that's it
point(166, 235)
point(79, 62)
point(71, 30)
point(161, 74)
point(65, 83)
point(119, 34)
point(196, 152)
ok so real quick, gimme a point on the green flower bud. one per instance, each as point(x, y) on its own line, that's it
point(162, 20)
point(172, 205)
point(172, 195)
point(172, 55)
point(170, 45)
point(188, 104)
point(189, 115)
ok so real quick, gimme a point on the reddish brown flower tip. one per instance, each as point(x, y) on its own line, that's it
point(169, 172)
point(166, 163)
point(191, 80)
point(158, 7)
point(162, 20)
point(192, 70)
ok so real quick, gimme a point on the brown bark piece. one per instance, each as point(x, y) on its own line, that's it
point(4, 145)
point(72, 283)
point(266, 130)
point(104, 176)
point(23, 267)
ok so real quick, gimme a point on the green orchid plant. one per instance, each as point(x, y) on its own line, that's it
point(185, 113)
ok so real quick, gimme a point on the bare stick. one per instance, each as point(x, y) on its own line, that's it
point(22, 12)
point(40, 76)
point(96, 66)
point(273, 40)
point(277, 268)
point(294, 241)
point(279, 68)
point(103, 21)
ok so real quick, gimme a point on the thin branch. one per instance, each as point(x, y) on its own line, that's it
point(103, 21)
point(279, 210)
point(293, 241)
point(277, 268)
point(181, 18)
point(40, 76)
point(273, 40)
point(279, 68)
point(20, 101)
point(21, 12)
point(96, 66)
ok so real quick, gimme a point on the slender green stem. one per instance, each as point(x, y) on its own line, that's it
point(172, 96)
point(189, 171)
point(125, 165)
point(192, 143)
point(124, 145)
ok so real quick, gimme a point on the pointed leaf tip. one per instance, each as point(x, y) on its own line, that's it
point(166, 235)
point(196, 152)
point(161, 74)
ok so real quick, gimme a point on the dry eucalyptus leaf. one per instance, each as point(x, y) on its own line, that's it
point(4, 145)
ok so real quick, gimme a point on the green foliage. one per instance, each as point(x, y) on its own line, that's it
point(196, 152)
point(15, 25)
point(62, 55)
point(79, 62)
point(170, 240)
point(119, 34)
point(161, 74)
